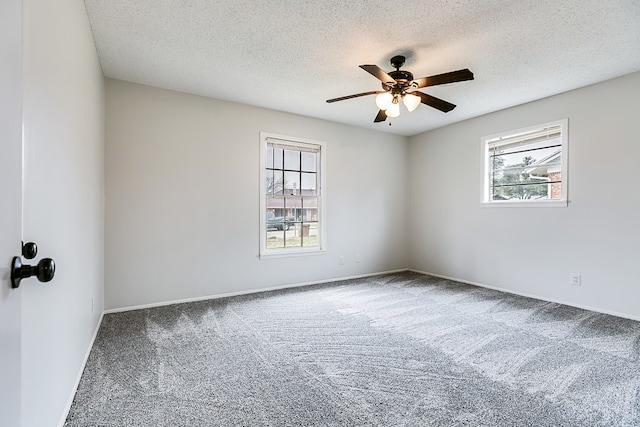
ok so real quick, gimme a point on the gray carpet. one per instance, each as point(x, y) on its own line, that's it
point(392, 350)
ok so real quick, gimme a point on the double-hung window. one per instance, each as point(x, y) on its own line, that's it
point(526, 167)
point(292, 199)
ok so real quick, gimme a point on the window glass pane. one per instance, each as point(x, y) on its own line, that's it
point(276, 183)
point(292, 236)
point(275, 209)
point(268, 182)
point(276, 225)
point(529, 156)
point(294, 208)
point(525, 191)
point(523, 174)
point(310, 209)
point(275, 239)
point(292, 160)
point(292, 183)
point(277, 158)
point(308, 185)
point(309, 234)
point(309, 161)
point(269, 156)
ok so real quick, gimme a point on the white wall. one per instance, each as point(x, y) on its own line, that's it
point(63, 202)
point(533, 250)
point(182, 198)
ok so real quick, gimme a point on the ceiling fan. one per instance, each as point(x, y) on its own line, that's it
point(400, 85)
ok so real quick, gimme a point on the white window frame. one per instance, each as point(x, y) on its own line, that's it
point(265, 252)
point(487, 141)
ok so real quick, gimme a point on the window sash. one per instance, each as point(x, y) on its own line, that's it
point(306, 180)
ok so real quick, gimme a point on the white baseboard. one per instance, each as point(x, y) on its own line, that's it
point(67, 408)
point(251, 291)
point(524, 294)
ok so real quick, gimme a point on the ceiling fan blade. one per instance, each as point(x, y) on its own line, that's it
point(381, 117)
point(378, 73)
point(440, 79)
point(434, 102)
point(356, 95)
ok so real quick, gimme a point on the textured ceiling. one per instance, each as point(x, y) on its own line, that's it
point(291, 56)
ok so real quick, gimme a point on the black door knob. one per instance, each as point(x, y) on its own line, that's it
point(44, 271)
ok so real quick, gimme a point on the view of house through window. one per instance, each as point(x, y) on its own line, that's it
point(292, 195)
point(527, 165)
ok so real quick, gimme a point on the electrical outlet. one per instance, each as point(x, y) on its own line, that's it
point(93, 305)
point(575, 279)
point(341, 260)
point(357, 258)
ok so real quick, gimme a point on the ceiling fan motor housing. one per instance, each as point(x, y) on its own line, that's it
point(403, 78)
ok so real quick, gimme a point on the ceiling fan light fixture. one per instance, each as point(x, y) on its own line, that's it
point(411, 101)
point(384, 100)
point(393, 110)
point(396, 85)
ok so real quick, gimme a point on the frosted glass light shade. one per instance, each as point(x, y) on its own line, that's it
point(393, 110)
point(384, 100)
point(411, 101)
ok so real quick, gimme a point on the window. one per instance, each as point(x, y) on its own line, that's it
point(292, 202)
point(526, 167)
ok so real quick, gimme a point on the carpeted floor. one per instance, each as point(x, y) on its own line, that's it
point(392, 350)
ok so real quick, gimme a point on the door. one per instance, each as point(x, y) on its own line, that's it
point(10, 207)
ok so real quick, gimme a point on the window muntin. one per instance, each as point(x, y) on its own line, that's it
point(291, 199)
point(526, 167)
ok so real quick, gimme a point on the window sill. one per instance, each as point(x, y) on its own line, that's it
point(288, 253)
point(526, 204)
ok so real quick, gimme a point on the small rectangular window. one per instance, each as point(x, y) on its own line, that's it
point(292, 201)
point(526, 167)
